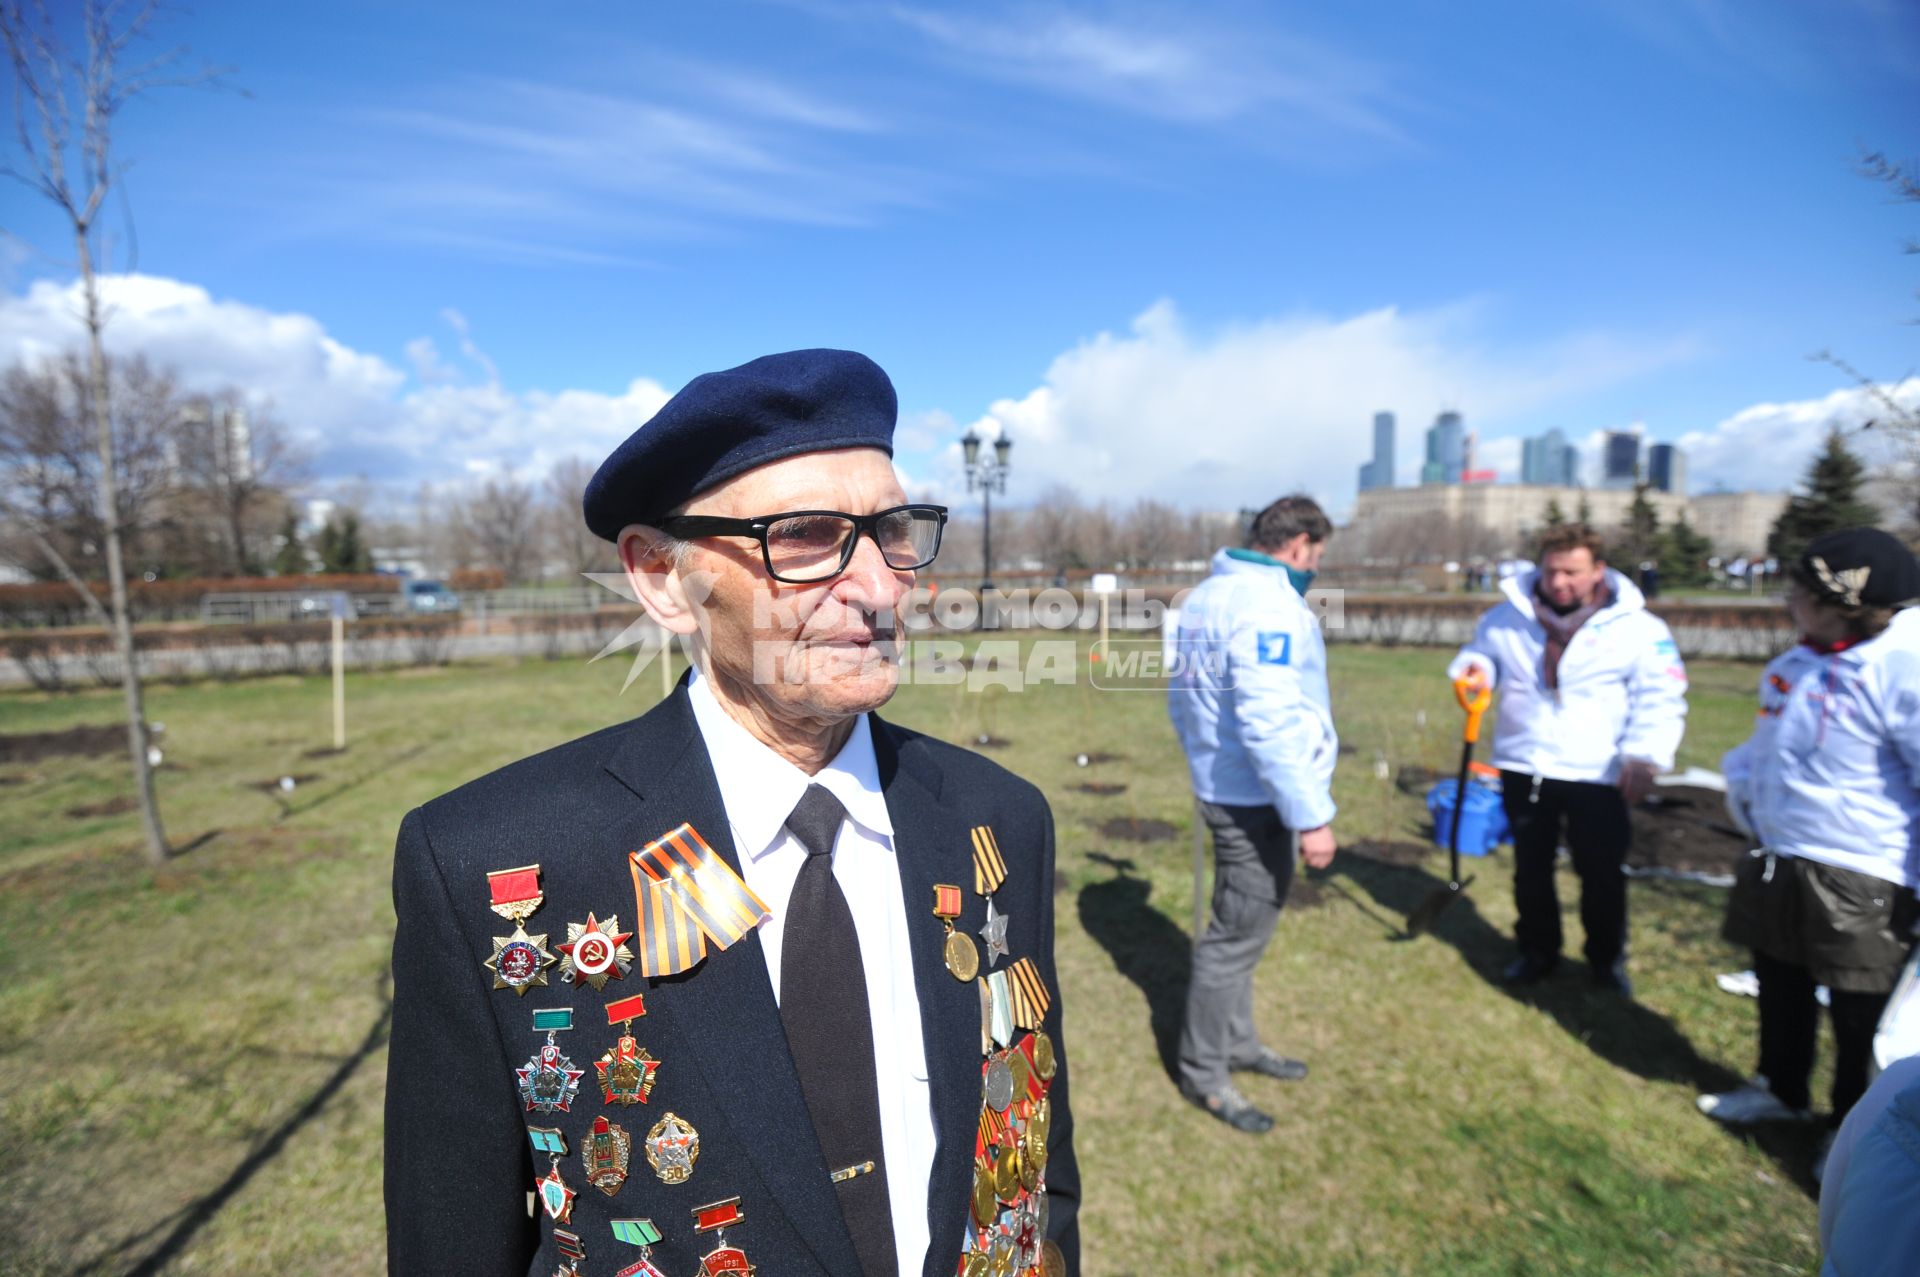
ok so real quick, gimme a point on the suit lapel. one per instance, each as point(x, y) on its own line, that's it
point(726, 1024)
point(932, 845)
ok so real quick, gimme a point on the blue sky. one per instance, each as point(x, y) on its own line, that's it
point(1179, 251)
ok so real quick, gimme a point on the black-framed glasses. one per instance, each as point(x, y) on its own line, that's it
point(804, 547)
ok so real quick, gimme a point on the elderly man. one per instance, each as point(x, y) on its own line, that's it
point(768, 1040)
point(1249, 700)
point(1593, 701)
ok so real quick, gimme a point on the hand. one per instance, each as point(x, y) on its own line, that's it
point(1317, 846)
point(1636, 780)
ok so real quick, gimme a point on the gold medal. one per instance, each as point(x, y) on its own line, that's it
point(983, 1194)
point(1033, 1151)
point(1006, 1174)
point(1003, 1262)
point(959, 953)
point(1022, 1073)
point(1052, 1262)
point(1043, 1062)
point(1042, 1120)
point(976, 1264)
point(1029, 1173)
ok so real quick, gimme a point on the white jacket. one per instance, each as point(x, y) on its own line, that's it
point(1832, 770)
point(1249, 696)
point(1622, 693)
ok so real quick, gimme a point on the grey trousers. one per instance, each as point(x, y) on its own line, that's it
point(1253, 855)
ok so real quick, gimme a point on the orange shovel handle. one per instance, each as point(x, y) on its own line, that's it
point(1474, 696)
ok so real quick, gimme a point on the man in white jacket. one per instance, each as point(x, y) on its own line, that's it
point(1592, 706)
point(1249, 700)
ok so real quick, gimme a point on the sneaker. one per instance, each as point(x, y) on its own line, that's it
point(1270, 1063)
point(1754, 1102)
point(1530, 968)
point(1233, 1108)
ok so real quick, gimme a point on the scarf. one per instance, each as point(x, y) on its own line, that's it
point(1562, 626)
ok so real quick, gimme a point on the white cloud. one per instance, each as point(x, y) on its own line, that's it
point(1768, 445)
point(357, 413)
point(1232, 418)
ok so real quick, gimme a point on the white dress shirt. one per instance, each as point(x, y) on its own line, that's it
point(760, 789)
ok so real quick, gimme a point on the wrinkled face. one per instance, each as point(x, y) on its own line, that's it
point(824, 651)
point(1569, 578)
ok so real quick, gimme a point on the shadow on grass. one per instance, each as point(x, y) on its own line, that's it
point(187, 1222)
point(1624, 1032)
point(1147, 948)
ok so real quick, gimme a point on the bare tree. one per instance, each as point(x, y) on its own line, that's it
point(65, 107)
point(1151, 534)
point(238, 462)
point(503, 525)
point(566, 531)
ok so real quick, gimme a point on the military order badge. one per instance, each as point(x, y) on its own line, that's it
point(555, 1197)
point(548, 1080)
point(605, 1152)
point(595, 952)
point(626, 1070)
point(519, 961)
point(716, 1219)
point(673, 1146)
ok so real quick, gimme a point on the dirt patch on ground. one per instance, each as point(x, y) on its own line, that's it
point(1104, 789)
point(1399, 854)
point(30, 747)
point(1092, 760)
point(1305, 893)
point(1415, 779)
point(1687, 831)
point(1127, 829)
point(324, 751)
point(118, 805)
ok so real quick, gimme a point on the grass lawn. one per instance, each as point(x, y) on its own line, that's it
point(195, 1057)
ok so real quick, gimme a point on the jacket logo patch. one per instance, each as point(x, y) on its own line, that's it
point(1276, 648)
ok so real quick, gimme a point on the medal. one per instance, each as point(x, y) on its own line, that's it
point(1001, 1263)
point(962, 959)
point(519, 961)
point(994, 934)
point(641, 1233)
point(548, 1081)
point(1006, 1174)
point(673, 1146)
point(605, 1153)
point(983, 1194)
point(976, 1264)
point(1043, 1063)
point(1052, 1262)
point(626, 1070)
point(596, 952)
point(716, 1218)
point(997, 1084)
point(1000, 1012)
point(1020, 1072)
point(555, 1197)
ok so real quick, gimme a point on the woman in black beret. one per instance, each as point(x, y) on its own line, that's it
point(1829, 785)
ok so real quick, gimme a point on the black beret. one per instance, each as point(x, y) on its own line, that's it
point(725, 423)
point(1862, 567)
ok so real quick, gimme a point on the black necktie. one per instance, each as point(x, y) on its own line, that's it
point(823, 1004)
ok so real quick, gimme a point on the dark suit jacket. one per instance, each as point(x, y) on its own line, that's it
point(459, 1164)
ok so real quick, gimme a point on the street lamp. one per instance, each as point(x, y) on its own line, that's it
point(986, 476)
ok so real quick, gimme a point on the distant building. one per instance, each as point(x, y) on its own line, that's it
point(1511, 515)
point(1620, 459)
point(1550, 460)
point(1378, 473)
point(1446, 450)
point(1667, 468)
point(1737, 523)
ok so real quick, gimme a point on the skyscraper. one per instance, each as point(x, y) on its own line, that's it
point(1550, 460)
point(1620, 459)
point(1378, 473)
point(1667, 468)
point(1446, 450)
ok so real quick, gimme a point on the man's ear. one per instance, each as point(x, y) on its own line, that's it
point(647, 556)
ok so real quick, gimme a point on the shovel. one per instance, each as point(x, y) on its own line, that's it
point(1474, 697)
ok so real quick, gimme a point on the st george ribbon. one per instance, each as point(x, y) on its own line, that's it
point(687, 896)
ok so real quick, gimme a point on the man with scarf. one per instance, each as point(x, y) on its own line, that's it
point(1592, 707)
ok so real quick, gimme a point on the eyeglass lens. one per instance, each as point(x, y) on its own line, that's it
point(814, 546)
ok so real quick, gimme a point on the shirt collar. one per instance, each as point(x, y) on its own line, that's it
point(759, 788)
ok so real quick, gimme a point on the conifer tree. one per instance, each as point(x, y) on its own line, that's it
point(1831, 501)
